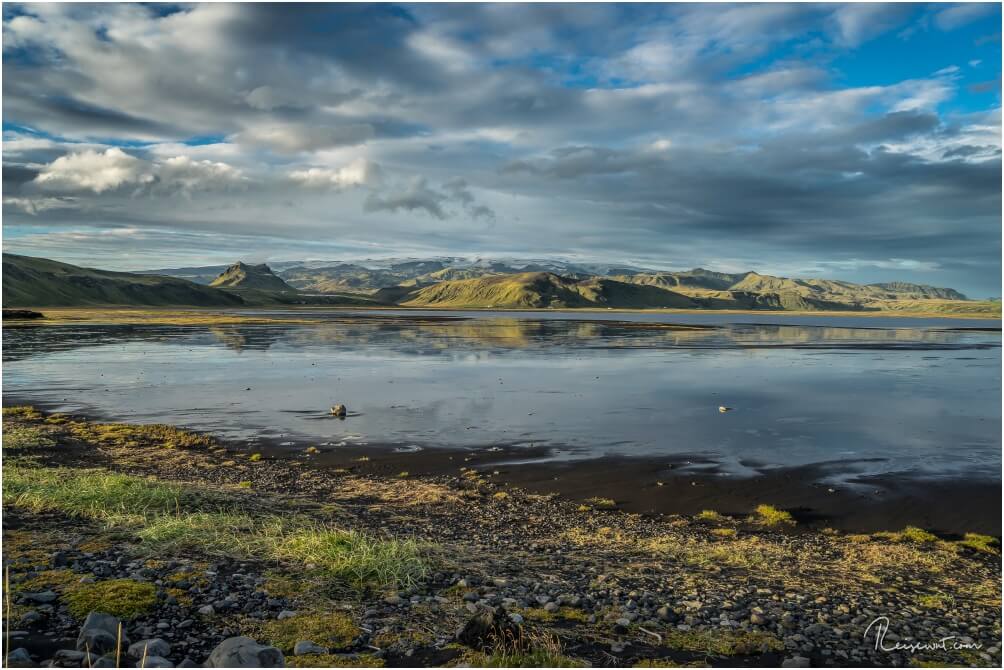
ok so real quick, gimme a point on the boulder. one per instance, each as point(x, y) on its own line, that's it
point(154, 662)
point(99, 634)
point(306, 647)
point(243, 652)
point(796, 662)
point(19, 658)
point(68, 658)
point(154, 647)
point(40, 598)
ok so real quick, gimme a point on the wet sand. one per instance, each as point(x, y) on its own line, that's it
point(948, 507)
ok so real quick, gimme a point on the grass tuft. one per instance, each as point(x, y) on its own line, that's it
point(984, 544)
point(602, 503)
point(769, 515)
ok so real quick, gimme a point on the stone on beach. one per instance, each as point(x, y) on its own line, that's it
point(243, 652)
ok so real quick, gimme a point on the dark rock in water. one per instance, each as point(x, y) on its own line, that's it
point(154, 662)
point(490, 628)
point(243, 652)
point(154, 647)
point(19, 658)
point(22, 314)
point(99, 634)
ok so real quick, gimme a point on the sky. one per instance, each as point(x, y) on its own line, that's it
point(850, 141)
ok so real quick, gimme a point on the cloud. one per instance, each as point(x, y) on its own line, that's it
point(956, 16)
point(360, 172)
point(94, 171)
point(415, 196)
point(108, 170)
point(35, 206)
point(294, 138)
point(625, 131)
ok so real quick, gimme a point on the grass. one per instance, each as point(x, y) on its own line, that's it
point(122, 598)
point(768, 515)
point(334, 630)
point(159, 515)
point(92, 494)
point(530, 650)
point(710, 515)
point(909, 534)
point(723, 642)
point(48, 579)
point(334, 661)
point(339, 554)
point(602, 503)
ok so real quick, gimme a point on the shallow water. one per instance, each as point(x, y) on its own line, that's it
point(919, 398)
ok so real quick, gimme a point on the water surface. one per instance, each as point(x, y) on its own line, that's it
point(876, 394)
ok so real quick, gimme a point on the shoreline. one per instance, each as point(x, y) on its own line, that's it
point(676, 484)
point(217, 550)
point(231, 314)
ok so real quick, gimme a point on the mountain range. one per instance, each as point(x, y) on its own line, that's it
point(455, 282)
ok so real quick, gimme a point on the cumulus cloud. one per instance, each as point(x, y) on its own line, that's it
point(108, 170)
point(414, 196)
point(95, 171)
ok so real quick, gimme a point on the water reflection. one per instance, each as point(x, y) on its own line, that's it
point(918, 399)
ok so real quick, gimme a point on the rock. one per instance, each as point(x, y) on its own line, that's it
point(486, 628)
point(551, 607)
point(757, 619)
point(67, 658)
point(796, 662)
point(306, 647)
point(207, 610)
point(154, 647)
point(243, 652)
point(41, 598)
point(516, 618)
point(286, 614)
point(155, 662)
point(339, 410)
point(59, 559)
point(105, 662)
point(31, 617)
point(99, 634)
point(19, 658)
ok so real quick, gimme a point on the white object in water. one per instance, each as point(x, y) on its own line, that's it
point(723, 409)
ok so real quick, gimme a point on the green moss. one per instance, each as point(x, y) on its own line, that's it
point(48, 579)
point(562, 613)
point(918, 535)
point(334, 661)
point(122, 598)
point(23, 412)
point(602, 503)
point(667, 663)
point(334, 630)
point(769, 515)
point(244, 485)
point(131, 435)
point(254, 458)
point(27, 437)
point(985, 544)
point(711, 516)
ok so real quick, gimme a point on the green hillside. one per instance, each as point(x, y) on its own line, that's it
point(537, 289)
point(39, 282)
